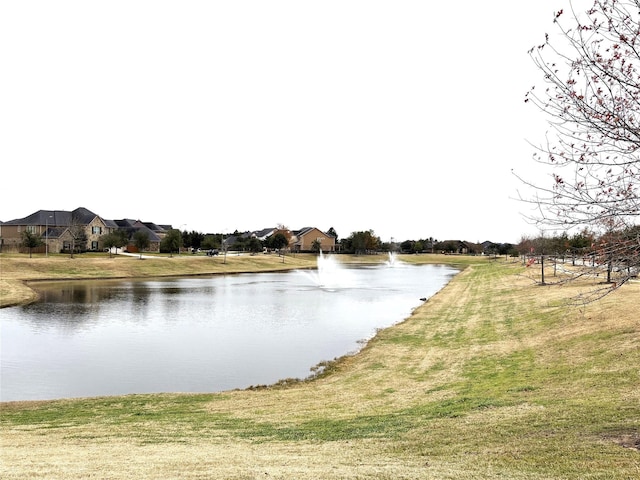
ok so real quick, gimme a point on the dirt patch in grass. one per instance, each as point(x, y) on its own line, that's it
point(630, 441)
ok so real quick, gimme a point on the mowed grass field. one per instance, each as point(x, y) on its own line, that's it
point(493, 377)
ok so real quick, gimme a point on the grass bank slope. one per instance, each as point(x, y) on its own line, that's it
point(494, 377)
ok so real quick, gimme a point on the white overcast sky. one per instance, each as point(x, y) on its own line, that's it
point(404, 117)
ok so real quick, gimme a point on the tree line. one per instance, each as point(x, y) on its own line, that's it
point(361, 242)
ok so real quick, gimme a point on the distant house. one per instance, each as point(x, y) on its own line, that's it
point(458, 246)
point(303, 240)
point(60, 230)
point(487, 245)
point(154, 232)
point(299, 240)
point(236, 241)
point(79, 230)
point(239, 241)
point(263, 234)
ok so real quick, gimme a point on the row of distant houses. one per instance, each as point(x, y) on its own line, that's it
point(62, 230)
point(303, 240)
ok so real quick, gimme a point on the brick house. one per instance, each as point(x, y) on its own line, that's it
point(303, 240)
point(59, 230)
point(80, 229)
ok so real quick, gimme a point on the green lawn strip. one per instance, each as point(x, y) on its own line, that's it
point(492, 383)
point(104, 410)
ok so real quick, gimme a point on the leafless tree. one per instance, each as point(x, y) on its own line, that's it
point(603, 264)
point(591, 95)
point(77, 234)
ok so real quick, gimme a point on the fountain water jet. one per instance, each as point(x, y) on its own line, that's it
point(329, 274)
point(393, 260)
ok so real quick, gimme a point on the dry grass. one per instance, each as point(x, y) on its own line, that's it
point(491, 378)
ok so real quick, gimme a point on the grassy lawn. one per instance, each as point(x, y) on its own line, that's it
point(493, 377)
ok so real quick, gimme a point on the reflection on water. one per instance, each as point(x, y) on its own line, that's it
point(197, 334)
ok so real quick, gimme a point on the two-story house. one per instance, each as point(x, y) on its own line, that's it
point(303, 240)
point(79, 230)
point(59, 230)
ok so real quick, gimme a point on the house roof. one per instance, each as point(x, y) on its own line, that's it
point(64, 218)
point(230, 240)
point(153, 236)
point(131, 226)
point(302, 232)
point(155, 228)
point(264, 233)
point(54, 232)
point(125, 223)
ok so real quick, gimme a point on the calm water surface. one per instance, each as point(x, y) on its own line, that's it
point(200, 334)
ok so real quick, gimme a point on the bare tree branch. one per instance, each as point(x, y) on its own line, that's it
point(591, 98)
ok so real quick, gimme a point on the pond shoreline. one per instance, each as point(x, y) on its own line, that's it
point(218, 316)
point(18, 271)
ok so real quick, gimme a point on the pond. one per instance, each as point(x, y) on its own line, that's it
point(200, 334)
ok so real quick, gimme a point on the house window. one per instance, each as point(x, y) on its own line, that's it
point(32, 229)
point(96, 230)
point(94, 245)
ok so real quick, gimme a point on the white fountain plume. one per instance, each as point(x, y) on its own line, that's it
point(393, 259)
point(329, 274)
